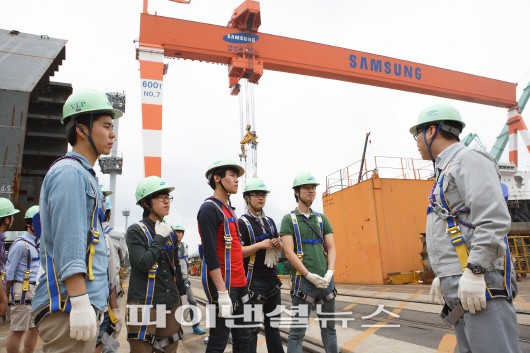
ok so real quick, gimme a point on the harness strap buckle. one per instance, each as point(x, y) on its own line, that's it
point(228, 242)
point(240, 301)
point(263, 298)
point(148, 338)
point(160, 344)
point(453, 230)
point(439, 210)
point(152, 272)
point(458, 241)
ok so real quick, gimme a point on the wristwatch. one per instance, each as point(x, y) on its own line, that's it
point(476, 269)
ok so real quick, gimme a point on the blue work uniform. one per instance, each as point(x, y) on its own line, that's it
point(68, 197)
point(17, 259)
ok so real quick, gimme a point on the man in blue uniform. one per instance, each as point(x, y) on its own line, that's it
point(74, 287)
point(22, 269)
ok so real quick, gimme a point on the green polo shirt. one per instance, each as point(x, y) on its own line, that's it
point(314, 259)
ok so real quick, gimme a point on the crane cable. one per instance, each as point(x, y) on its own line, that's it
point(247, 119)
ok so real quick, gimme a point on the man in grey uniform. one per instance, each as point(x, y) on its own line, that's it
point(467, 223)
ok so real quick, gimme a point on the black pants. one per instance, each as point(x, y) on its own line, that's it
point(219, 334)
point(272, 334)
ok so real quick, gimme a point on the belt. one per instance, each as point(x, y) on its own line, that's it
point(46, 310)
point(32, 283)
point(17, 302)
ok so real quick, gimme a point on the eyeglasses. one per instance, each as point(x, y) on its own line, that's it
point(420, 130)
point(259, 195)
point(164, 198)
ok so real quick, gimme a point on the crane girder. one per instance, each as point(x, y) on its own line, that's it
point(219, 44)
point(247, 53)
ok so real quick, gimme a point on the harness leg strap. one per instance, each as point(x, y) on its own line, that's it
point(148, 338)
point(160, 344)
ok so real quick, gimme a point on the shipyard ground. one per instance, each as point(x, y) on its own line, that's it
point(410, 324)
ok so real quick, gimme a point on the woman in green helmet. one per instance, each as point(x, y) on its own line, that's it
point(156, 278)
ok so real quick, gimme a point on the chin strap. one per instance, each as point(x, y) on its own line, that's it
point(89, 137)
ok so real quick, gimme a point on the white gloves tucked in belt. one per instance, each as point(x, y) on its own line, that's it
point(83, 322)
point(225, 304)
point(472, 291)
point(436, 291)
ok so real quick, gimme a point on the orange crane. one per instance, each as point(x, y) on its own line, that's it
point(247, 53)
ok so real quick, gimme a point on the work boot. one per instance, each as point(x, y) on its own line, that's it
point(199, 331)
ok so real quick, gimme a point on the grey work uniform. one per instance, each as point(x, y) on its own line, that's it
point(471, 183)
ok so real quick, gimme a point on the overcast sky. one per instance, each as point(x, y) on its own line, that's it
point(302, 122)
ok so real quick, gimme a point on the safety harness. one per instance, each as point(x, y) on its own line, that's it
point(143, 335)
point(27, 273)
point(250, 268)
point(299, 241)
point(110, 329)
point(54, 293)
point(183, 255)
point(228, 256)
point(445, 211)
point(256, 239)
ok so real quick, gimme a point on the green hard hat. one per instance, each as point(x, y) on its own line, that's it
point(178, 226)
point(227, 163)
point(256, 184)
point(31, 211)
point(7, 208)
point(437, 112)
point(149, 186)
point(88, 101)
point(304, 178)
point(106, 193)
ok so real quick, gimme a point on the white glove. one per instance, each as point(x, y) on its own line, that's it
point(329, 275)
point(83, 322)
point(316, 279)
point(472, 291)
point(436, 291)
point(225, 304)
point(277, 252)
point(271, 258)
point(162, 229)
point(118, 324)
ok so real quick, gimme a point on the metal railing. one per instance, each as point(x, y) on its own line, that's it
point(383, 167)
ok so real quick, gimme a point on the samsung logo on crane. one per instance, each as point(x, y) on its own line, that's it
point(240, 38)
point(385, 66)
